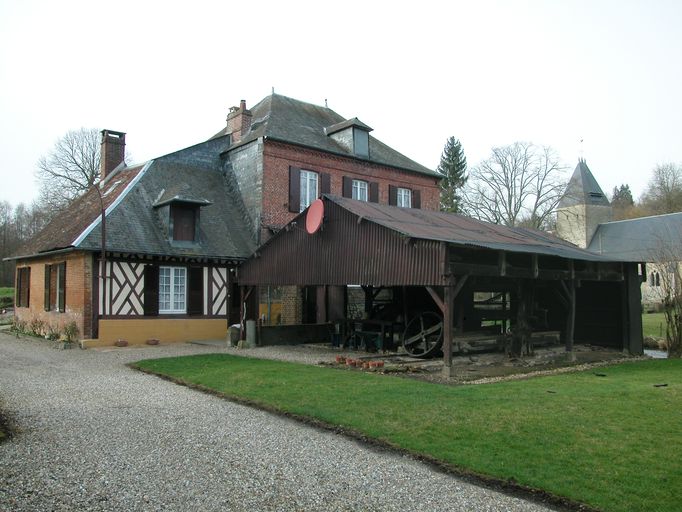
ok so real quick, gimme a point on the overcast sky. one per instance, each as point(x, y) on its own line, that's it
point(489, 73)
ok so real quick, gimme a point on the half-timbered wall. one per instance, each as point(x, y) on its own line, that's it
point(218, 290)
point(125, 289)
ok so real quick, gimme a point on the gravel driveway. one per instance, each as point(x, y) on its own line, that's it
point(95, 435)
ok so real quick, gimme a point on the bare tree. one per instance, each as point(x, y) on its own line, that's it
point(70, 168)
point(519, 184)
point(664, 190)
point(667, 258)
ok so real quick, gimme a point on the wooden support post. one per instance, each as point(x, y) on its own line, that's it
point(448, 301)
point(570, 321)
point(635, 344)
point(321, 303)
point(369, 300)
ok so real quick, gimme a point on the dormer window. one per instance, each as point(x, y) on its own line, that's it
point(180, 214)
point(352, 135)
point(184, 221)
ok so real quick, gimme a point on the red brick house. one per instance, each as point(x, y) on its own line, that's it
point(177, 226)
point(285, 153)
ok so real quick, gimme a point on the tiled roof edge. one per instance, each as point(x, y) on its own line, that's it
point(112, 206)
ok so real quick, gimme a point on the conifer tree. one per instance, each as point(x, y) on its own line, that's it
point(453, 166)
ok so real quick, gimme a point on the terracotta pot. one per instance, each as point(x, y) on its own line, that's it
point(340, 359)
point(121, 343)
point(350, 362)
point(380, 364)
point(152, 341)
point(365, 366)
point(373, 364)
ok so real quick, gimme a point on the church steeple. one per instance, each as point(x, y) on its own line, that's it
point(582, 208)
point(583, 188)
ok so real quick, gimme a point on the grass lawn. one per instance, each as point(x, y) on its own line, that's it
point(653, 324)
point(613, 442)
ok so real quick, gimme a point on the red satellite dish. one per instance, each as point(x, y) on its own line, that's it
point(314, 217)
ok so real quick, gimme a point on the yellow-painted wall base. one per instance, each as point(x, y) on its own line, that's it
point(136, 332)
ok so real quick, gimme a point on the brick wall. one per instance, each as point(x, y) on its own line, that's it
point(278, 157)
point(78, 304)
point(292, 305)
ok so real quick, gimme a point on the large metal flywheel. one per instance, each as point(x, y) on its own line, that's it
point(423, 336)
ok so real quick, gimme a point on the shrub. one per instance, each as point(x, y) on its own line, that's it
point(18, 326)
point(71, 331)
point(36, 326)
point(53, 333)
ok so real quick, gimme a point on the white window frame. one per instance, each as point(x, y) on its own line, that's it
point(177, 290)
point(309, 188)
point(404, 197)
point(360, 190)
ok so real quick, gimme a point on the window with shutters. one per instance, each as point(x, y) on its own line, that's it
point(360, 190)
point(23, 287)
point(404, 198)
point(172, 290)
point(308, 189)
point(55, 287)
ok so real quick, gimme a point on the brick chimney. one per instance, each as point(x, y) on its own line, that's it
point(112, 151)
point(238, 121)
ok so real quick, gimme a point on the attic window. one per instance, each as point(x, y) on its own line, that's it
point(596, 195)
point(184, 221)
point(360, 142)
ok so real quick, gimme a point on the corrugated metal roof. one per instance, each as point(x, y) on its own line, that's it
point(646, 239)
point(466, 231)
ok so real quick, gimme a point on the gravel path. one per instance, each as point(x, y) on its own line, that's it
point(95, 435)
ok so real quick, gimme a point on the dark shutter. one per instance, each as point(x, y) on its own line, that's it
point(61, 299)
point(151, 290)
point(23, 289)
point(195, 285)
point(416, 199)
point(392, 195)
point(347, 190)
point(325, 183)
point(53, 287)
point(294, 189)
point(27, 286)
point(373, 192)
point(48, 269)
point(184, 221)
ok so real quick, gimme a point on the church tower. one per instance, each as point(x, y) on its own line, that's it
point(583, 207)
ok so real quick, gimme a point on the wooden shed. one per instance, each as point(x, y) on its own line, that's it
point(451, 263)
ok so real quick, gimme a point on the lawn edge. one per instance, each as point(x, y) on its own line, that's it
point(509, 487)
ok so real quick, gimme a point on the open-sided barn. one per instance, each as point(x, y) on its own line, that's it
point(472, 273)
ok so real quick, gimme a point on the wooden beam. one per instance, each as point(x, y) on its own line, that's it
point(570, 319)
point(460, 284)
point(502, 263)
point(448, 302)
point(436, 298)
point(536, 270)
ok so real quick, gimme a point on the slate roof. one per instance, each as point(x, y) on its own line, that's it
point(466, 231)
point(136, 225)
point(289, 120)
point(583, 189)
point(646, 239)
